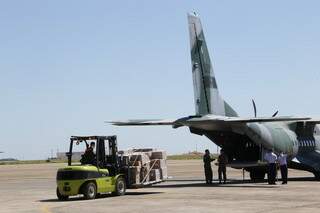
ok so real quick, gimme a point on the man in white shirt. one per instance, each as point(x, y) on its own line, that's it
point(271, 158)
point(282, 159)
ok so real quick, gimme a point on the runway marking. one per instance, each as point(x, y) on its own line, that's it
point(45, 209)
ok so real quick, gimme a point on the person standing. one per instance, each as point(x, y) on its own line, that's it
point(222, 166)
point(271, 158)
point(207, 166)
point(282, 159)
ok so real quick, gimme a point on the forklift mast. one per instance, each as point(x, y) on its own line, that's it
point(113, 147)
point(112, 159)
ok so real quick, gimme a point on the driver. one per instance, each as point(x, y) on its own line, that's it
point(90, 148)
point(89, 156)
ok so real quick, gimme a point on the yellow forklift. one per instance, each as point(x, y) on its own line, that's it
point(96, 173)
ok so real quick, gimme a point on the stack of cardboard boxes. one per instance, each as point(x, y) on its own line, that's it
point(146, 165)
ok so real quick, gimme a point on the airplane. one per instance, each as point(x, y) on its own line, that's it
point(244, 140)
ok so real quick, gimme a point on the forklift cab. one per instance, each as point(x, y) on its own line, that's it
point(105, 156)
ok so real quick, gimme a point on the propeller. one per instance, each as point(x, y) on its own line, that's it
point(274, 115)
point(255, 110)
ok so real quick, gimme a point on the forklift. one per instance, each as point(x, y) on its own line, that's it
point(97, 172)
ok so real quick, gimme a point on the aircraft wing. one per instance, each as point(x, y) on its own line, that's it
point(267, 119)
point(314, 120)
point(207, 119)
point(213, 118)
point(143, 122)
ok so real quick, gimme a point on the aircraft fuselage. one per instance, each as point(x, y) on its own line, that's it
point(247, 143)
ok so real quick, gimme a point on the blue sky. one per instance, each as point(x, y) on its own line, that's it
point(67, 66)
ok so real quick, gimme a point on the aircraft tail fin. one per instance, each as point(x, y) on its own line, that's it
point(206, 94)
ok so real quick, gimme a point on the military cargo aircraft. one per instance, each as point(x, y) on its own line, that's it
point(245, 140)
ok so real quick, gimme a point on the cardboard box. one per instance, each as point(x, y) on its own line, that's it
point(135, 169)
point(144, 174)
point(140, 156)
point(135, 163)
point(147, 151)
point(158, 163)
point(159, 155)
point(155, 175)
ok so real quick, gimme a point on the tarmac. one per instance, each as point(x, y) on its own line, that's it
point(31, 188)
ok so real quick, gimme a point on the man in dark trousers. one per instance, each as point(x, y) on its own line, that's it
point(271, 158)
point(207, 166)
point(222, 166)
point(282, 159)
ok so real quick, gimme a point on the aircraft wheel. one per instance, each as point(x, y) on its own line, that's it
point(120, 187)
point(60, 196)
point(90, 191)
point(317, 175)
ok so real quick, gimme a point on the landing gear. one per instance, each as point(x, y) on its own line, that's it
point(316, 175)
point(257, 175)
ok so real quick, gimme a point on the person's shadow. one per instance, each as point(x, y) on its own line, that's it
point(231, 183)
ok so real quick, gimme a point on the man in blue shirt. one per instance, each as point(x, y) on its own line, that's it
point(271, 158)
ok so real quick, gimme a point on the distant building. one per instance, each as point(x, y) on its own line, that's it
point(8, 159)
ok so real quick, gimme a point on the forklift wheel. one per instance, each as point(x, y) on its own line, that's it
point(60, 196)
point(90, 191)
point(120, 187)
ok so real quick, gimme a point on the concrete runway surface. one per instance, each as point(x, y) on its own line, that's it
point(31, 188)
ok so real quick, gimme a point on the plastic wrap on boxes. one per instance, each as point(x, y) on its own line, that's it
point(144, 174)
point(147, 151)
point(159, 155)
point(140, 156)
point(164, 173)
point(143, 150)
point(135, 163)
point(145, 165)
point(155, 175)
point(158, 163)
